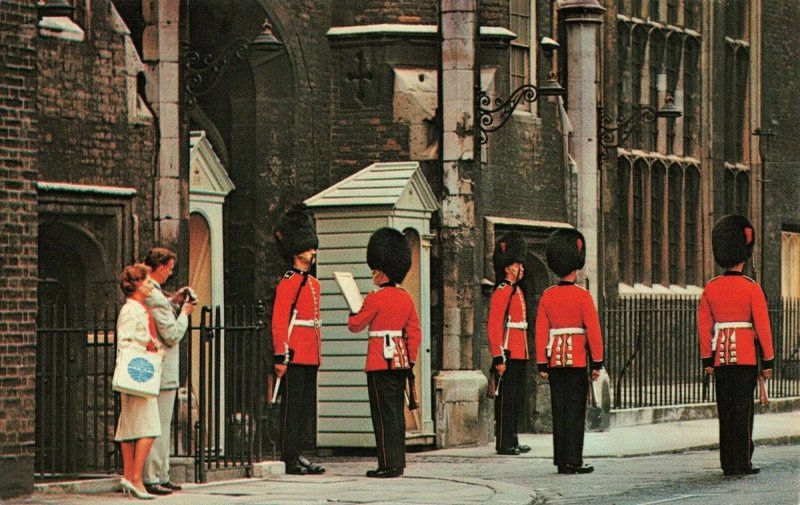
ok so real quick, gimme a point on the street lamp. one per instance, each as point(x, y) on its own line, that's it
point(503, 109)
point(763, 149)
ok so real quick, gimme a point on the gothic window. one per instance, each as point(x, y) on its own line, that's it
point(520, 67)
point(658, 221)
point(736, 189)
point(737, 66)
point(691, 95)
point(659, 203)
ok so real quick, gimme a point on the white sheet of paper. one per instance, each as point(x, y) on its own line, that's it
point(349, 289)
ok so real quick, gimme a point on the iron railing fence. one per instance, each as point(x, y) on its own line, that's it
point(652, 354)
point(221, 417)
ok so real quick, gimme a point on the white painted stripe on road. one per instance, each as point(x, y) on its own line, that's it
point(679, 497)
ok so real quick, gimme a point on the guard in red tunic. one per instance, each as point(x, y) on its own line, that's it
point(566, 324)
point(508, 341)
point(296, 339)
point(732, 321)
point(394, 338)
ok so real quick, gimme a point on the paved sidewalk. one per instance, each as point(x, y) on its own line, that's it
point(344, 483)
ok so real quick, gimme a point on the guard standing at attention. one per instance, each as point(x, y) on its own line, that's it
point(566, 324)
point(394, 338)
point(732, 320)
point(296, 339)
point(508, 341)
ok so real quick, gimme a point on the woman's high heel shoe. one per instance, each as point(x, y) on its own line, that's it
point(128, 488)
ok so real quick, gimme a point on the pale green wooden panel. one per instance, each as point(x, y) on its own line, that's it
point(346, 440)
point(352, 225)
point(357, 348)
point(344, 239)
point(335, 330)
point(345, 410)
point(388, 189)
point(375, 183)
point(344, 394)
point(345, 378)
point(335, 363)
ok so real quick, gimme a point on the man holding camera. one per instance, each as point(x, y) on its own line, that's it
point(171, 317)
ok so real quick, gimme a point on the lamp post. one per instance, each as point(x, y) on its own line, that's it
point(763, 149)
point(502, 110)
point(611, 134)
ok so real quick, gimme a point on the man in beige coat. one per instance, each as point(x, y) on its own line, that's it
point(171, 330)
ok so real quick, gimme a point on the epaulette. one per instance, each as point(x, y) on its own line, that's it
point(502, 285)
point(289, 274)
point(750, 279)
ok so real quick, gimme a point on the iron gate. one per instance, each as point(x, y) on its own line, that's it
point(221, 417)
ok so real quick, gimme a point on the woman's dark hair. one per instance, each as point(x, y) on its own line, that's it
point(131, 277)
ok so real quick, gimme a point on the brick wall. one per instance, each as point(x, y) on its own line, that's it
point(85, 133)
point(18, 133)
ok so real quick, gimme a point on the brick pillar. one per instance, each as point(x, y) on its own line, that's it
point(18, 247)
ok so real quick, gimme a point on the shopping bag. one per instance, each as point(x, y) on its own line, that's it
point(138, 372)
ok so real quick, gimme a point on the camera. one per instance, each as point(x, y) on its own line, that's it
point(188, 295)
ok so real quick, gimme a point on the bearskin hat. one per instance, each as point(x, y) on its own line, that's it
point(296, 232)
point(389, 251)
point(510, 249)
point(732, 240)
point(565, 251)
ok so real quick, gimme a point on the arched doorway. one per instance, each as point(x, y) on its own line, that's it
point(412, 284)
point(74, 351)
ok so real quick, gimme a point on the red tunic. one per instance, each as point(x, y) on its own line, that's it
point(568, 306)
point(733, 298)
point(517, 333)
point(388, 308)
point(305, 340)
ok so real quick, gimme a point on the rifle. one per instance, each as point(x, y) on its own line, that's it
point(411, 396)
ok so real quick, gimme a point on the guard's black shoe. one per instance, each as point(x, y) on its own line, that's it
point(523, 449)
point(570, 470)
point(311, 467)
point(171, 486)
point(509, 451)
point(296, 470)
point(742, 471)
point(157, 489)
point(385, 473)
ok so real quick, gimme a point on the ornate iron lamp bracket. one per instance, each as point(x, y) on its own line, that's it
point(502, 110)
point(204, 71)
point(613, 135)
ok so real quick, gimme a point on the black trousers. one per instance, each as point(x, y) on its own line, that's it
point(568, 388)
point(386, 399)
point(507, 405)
point(298, 411)
point(734, 387)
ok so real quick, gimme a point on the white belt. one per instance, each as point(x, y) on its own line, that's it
point(522, 325)
point(309, 323)
point(562, 331)
point(386, 333)
point(727, 326)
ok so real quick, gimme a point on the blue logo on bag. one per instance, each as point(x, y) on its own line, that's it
point(141, 370)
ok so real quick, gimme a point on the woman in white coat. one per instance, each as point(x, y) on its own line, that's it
point(138, 424)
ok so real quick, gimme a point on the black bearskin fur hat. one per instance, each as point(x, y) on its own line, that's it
point(565, 251)
point(295, 233)
point(732, 240)
point(510, 249)
point(389, 251)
